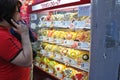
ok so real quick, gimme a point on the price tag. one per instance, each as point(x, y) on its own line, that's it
point(37, 64)
point(58, 41)
point(43, 52)
point(72, 42)
point(40, 24)
point(85, 65)
point(50, 70)
point(48, 24)
point(50, 54)
point(51, 39)
point(59, 75)
point(75, 23)
point(57, 56)
point(41, 38)
point(44, 24)
point(55, 40)
point(65, 59)
point(63, 23)
point(68, 42)
point(88, 24)
point(80, 24)
point(67, 23)
point(43, 66)
point(72, 62)
point(84, 45)
point(60, 23)
point(55, 23)
point(66, 78)
point(45, 38)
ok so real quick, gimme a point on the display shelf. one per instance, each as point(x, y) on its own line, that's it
point(66, 61)
point(83, 66)
point(66, 43)
point(64, 36)
point(65, 25)
point(41, 73)
point(51, 75)
point(53, 27)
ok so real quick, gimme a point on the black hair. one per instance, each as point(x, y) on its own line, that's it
point(8, 8)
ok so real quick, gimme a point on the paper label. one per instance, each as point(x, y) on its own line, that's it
point(58, 41)
point(50, 54)
point(48, 24)
point(66, 42)
point(67, 23)
point(50, 71)
point(65, 59)
point(37, 64)
point(85, 66)
point(57, 56)
point(66, 78)
point(79, 24)
point(55, 23)
point(51, 39)
point(45, 38)
point(84, 45)
point(43, 52)
point(43, 66)
point(59, 75)
point(41, 38)
point(60, 23)
point(44, 24)
point(72, 62)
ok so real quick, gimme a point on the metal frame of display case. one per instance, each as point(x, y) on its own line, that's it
point(105, 43)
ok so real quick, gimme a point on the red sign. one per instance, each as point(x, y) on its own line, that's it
point(38, 1)
point(52, 3)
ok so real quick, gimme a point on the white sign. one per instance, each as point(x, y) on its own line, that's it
point(84, 10)
point(51, 3)
point(118, 0)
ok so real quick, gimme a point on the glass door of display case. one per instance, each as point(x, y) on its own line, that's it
point(64, 38)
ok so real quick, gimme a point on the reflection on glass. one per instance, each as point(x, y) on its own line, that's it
point(117, 1)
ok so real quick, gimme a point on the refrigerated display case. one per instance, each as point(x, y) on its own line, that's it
point(64, 36)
